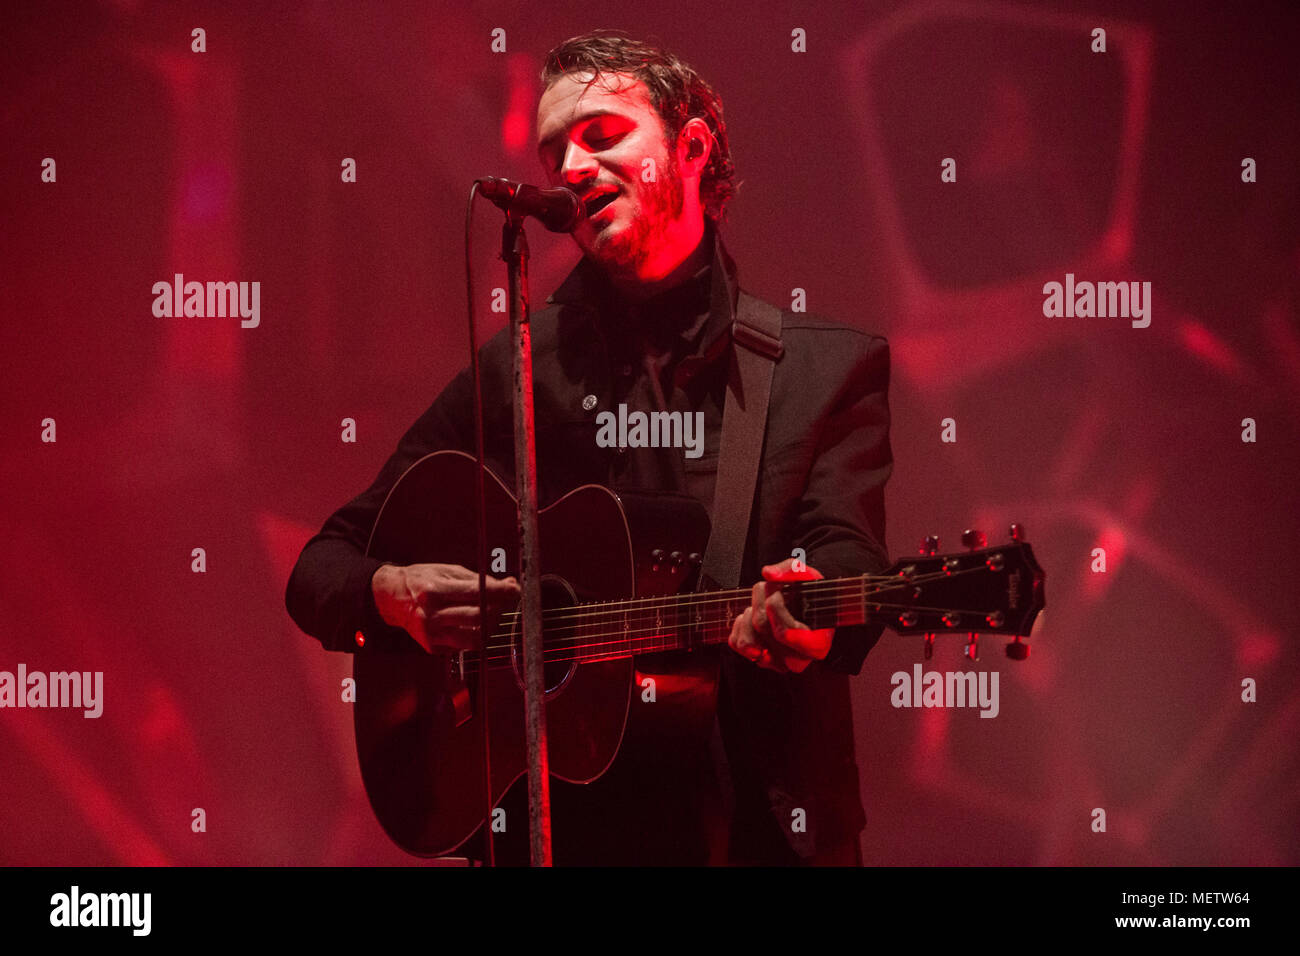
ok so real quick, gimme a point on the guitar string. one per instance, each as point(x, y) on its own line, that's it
point(822, 598)
point(852, 582)
point(645, 627)
point(557, 649)
point(644, 635)
point(591, 652)
point(815, 587)
point(821, 588)
point(611, 650)
point(642, 629)
point(704, 598)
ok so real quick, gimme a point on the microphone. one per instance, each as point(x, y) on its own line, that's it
point(558, 209)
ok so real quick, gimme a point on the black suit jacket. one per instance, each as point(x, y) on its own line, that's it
point(788, 739)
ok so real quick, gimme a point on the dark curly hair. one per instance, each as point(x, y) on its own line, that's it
point(677, 93)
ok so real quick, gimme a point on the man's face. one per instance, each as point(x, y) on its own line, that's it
point(595, 139)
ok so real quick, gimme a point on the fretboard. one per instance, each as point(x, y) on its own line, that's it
point(607, 630)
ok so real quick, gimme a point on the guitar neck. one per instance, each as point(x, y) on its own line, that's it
point(607, 630)
point(991, 590)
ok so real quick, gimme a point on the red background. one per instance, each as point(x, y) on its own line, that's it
point(183, 433)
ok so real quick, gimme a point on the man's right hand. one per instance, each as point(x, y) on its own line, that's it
point(437, 604)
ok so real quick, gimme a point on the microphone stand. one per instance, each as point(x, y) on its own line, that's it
point(514, 250)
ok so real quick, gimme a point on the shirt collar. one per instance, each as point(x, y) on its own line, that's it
point(587, 287)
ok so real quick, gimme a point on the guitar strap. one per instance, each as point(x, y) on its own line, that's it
point(756, 348)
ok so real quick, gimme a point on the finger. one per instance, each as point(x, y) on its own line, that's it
point(445, 589)
point(453, 572)
point(460, 616)
point(450, 593)
point(501, 593)
point(790, 633)
point(758, 610)
point(457, 636)
point(785, 572)
point(774, 658)
point(792, 642)
point(457, 579)
point(803, 642)
point(797, 664)
point(439, 637)
point(417, 626)
point(785, 630)
point(786, 659)
point(456, 627)
point(756, 648)
point(778, 615)
point(742, 639)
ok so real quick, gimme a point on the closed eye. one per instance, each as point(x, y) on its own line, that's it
point(595, 145)
point(598, 134)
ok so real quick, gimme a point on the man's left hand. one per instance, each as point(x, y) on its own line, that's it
point(767, 634)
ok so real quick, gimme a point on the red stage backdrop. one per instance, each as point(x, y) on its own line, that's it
point(926, 171)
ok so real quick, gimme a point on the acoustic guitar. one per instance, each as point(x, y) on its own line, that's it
point(623, 603)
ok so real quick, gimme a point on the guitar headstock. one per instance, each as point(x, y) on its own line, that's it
point(997, 590)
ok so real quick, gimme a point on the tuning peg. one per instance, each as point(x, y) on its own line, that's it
point(929, 646)
point(930, 545)
point(695, 558)
point(1017, 532)
point(973, 539)
point(972, 647)
point(1017, 651)
point(677, 558)
point(656, 557)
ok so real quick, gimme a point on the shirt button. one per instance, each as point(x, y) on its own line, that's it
point(589, 403)
point(625, 370)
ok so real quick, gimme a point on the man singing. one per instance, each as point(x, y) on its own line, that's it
point(645, 320)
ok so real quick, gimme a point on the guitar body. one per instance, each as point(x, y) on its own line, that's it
point(421, 760)
point(618, 572)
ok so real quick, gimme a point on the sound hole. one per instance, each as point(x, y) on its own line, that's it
point(555, 674)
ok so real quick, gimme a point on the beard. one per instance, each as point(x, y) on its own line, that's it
point(661, 204)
